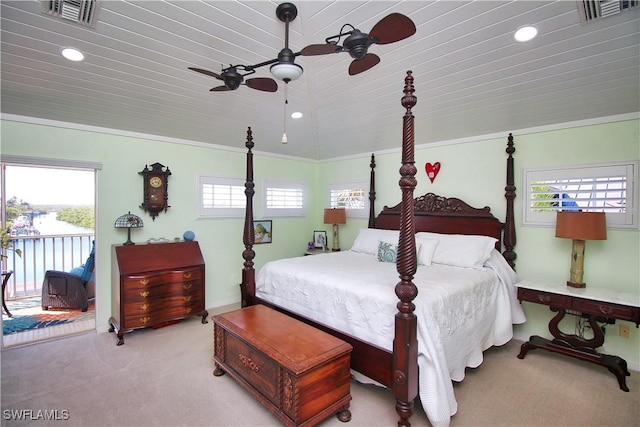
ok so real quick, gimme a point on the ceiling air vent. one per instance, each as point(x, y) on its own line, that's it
point(591, 10)
point(79, 11)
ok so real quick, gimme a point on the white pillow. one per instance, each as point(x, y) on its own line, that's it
point(427, 249)
point(460, 250)
point(368, 238)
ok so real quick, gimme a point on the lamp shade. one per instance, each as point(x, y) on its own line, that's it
point(129, 220)
point(581, 225)
point(335, 216)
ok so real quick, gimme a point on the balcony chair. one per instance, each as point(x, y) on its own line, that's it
point(70, 290)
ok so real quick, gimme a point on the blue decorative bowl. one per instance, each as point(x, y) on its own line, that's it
point(188, 236)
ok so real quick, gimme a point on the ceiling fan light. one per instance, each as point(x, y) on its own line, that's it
point(286, 72)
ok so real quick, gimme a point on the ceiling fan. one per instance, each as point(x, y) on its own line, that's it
point(232, 78)
point(390, 29)
point(283, 67)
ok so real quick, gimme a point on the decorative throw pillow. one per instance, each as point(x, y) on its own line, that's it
point(387, 252)
point(368, 238)
point(460, 250)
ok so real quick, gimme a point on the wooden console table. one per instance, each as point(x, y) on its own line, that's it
point(596, 305)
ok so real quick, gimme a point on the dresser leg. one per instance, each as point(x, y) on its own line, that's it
point(204, 317)
point(218, 372)
point(344, 414)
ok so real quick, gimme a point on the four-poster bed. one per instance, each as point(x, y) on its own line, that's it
point(394, 362)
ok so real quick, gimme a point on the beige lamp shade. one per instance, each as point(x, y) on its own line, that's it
point(581, 225)
point(335, 216)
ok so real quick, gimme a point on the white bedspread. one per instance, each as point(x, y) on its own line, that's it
point(461, 312)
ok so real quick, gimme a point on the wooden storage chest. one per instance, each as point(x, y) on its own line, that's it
point(301, 374)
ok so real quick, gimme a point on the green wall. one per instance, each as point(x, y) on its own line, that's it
point(119, 190)
point(473, 171)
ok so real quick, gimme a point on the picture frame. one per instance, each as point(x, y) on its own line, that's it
point(263, 231)
point(320, 239)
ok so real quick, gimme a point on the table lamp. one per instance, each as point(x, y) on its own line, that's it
point(580, 226)
point(335, 216)
point(129, 221)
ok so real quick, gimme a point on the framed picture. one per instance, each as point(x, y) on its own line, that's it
point(320, 239)
point(262, 231)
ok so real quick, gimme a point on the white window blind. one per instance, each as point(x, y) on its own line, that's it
point(609, 188)
point(221, 197)
point(281, 199)
point(352, 196)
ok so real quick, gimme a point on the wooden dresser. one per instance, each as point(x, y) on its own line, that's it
point(302, 375)
point(156, 284)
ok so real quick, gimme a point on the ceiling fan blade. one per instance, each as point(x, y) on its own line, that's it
point(262, 83)
point(207, 72)
point(392, 28)
point(219, 89)
point(358, 66)
point(320, 49)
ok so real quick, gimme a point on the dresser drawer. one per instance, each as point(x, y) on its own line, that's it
point(607, 309)
point(164, 290)
point(144, 281)
point(546, 298)
point(257, 369)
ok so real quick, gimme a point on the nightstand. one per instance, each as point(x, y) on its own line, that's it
point(316, 252)
point(594, 304)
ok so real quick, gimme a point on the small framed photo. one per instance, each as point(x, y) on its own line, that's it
point(263, 231)
point(320, 239)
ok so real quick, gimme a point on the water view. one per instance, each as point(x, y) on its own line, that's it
point(53, 245)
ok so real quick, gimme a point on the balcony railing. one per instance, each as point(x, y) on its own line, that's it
point(39, 254)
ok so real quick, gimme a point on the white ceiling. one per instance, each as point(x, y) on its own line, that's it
point(471, 77)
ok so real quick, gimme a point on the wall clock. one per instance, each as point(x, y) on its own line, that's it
point(155, 189)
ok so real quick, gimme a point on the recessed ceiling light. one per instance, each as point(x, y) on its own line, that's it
point(526, 33)
point(72, 54)
point(296, 115)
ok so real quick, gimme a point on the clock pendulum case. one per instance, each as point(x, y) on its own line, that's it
point(156, 189)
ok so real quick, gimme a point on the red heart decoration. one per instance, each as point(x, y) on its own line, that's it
point(432, 170)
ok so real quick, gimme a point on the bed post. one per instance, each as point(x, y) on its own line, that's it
point(248, 285)
point(509, 237)
point(372, 192)
point(405, 343)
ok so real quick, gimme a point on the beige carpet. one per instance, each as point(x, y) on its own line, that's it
point(164, 377)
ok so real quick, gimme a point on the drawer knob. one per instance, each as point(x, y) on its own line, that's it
point(145, 319)
point(187, 310)
point(144, 307)
point(187, 298)
point(605, 309)
point(144, 282)
point(248, 363)
point(144, 294)
point(188, 286)
point(544, 298)
point(187, 275)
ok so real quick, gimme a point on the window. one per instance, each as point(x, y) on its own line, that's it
point(609, 188)
point(283, 199)
point(220, 197)
point(353, 196)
